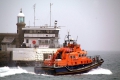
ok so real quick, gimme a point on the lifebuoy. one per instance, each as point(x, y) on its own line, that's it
point(34, 42)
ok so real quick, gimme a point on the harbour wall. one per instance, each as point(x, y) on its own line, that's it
point(24, 56)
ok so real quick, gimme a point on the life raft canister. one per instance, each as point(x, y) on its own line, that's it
point(93, 59)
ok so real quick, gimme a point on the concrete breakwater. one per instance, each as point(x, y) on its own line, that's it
point(24, 56)
point(6, 60)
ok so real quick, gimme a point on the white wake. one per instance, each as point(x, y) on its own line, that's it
point(99, 70)
point(6, 71)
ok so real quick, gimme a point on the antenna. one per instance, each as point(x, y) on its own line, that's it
point(50, 13)
point(34, 13)
point(21, 10)
point(29, 23)
point(68, 37)
point(76, 38)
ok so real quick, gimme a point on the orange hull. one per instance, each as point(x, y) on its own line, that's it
point(70, 59)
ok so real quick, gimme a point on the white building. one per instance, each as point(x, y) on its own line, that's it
point(45, 38)
point(41, 36)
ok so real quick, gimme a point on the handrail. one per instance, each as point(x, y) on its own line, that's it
point(95, 63)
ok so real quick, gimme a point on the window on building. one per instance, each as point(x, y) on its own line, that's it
point(46, 41)
point(56, 40)
point(56, 31)
point(40, 42)
point(44, 31)
point(31, 31)
point(51, 41)
point(34, 31)
point(50, 31)
point(38, 31)
point(53, 31)
point(27, 31)
point(27, 40)
point(20, 19)
point(43, 42)
point(47, 31)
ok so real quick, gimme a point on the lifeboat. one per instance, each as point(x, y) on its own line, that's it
point(69, 59)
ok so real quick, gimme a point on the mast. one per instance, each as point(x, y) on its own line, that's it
point(34, 13)
point(29, 23)
point(50, 13)
point(68, 37)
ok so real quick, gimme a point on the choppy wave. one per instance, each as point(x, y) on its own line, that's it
point(7, 71)
point(45, 75)
point(99, 70)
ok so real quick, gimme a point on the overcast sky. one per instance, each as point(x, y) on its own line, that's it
point(95, 22)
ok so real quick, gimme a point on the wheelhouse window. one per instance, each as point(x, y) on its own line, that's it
point(81, 62)
point(72, 57)
point(82, 54)
point(79, 55)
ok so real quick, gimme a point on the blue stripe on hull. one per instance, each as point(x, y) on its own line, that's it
point(68, 69)
point(64, 69)
point(55, 70)
point(78, 70)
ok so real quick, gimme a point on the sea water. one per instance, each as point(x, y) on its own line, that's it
point(110, 70)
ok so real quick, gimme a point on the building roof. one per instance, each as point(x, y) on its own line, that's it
point(8, 39)
point(40, 28)
point(21, 15)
